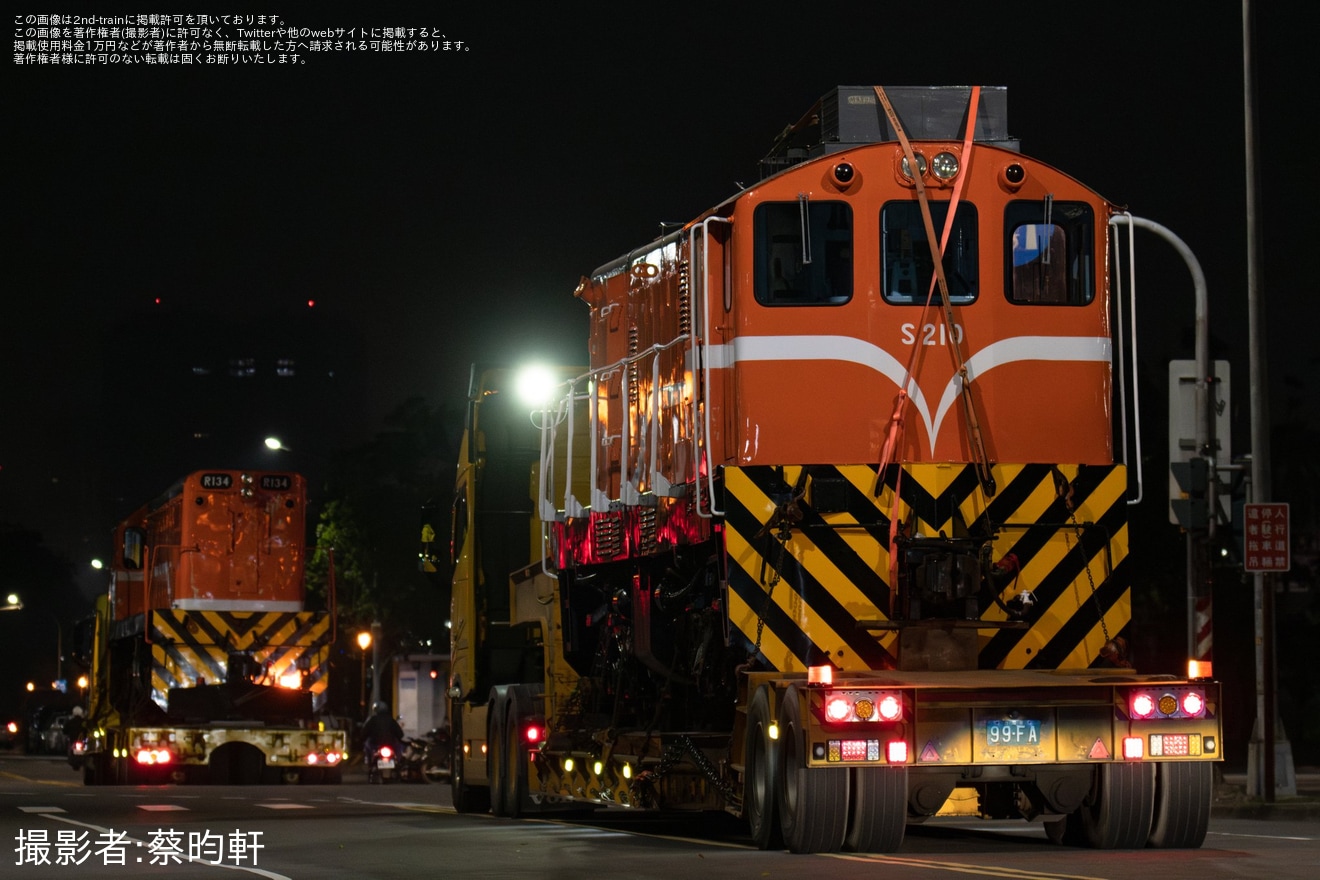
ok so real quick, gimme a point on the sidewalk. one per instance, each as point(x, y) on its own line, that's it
point(1231, 800)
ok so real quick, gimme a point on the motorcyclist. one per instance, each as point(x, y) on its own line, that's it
point(380, 730)
point(74, 730)
point(73, 727)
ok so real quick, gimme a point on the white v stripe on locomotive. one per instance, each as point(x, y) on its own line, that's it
point(746, 349)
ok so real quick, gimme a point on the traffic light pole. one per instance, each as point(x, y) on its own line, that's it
point(1268, 745)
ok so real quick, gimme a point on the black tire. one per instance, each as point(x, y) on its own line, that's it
point(1118, 813)
point(497, 753)
point(1182, 805)
point(812, 801)
point(517, 709)
point(760, 773)
point(95, 770)
point(466, 798)
point(877, 809)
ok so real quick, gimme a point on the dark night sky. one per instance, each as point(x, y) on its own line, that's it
point(443, 207)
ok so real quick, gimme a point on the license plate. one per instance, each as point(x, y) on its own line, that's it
point(1012, 732)
point(385, 764)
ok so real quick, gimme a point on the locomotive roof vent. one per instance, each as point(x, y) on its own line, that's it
point(849, 116)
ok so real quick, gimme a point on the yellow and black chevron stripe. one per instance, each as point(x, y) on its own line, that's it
point(191, 647)
point(807, 600)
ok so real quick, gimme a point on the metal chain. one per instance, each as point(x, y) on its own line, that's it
point(684, 745)
point(783, 533)
point(1066, 498)
point(781, 522)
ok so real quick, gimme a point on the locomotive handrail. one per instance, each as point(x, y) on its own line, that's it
point(1122, 372)
point(1204, 415)
point(700, 438)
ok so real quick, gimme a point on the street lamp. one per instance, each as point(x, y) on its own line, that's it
point(364, 642)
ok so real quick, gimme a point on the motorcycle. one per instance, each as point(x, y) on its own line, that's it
point(411, 760)
point(437, 755)
point(382, 765)
point(417, 759)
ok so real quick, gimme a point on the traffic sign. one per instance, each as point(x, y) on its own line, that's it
point(1265, 540)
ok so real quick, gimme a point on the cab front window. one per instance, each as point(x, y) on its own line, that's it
point(905, 255)
point(1049, 256)
point(804, 253)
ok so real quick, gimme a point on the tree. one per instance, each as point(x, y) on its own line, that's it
point(370, 518)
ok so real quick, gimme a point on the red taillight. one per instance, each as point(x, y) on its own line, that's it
point(386, 752)
point(533, 733)
point(332, 757)
point(1143, 705)
point(12, 727)
point(896, 751)
point(1193, 703)
point(312, 758)
point(152, 756)
point(837, 709)
point(890, 708)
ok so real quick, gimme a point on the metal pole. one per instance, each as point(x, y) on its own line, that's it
point(1197, 566)
point(362, 677)
point(375, 662)
point(1266, 708)
point(59, 646)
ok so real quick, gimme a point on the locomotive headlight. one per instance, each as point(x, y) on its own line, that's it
point(907, 168)
point(944, 166)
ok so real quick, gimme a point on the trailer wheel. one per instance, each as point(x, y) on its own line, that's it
point(760, 773)
point(497, 754)
point(517, 709)
point(813, 801)
point(877, 809)
point(466, 798)
point(1118, 813)
point(1182, 805)
point(96, 770)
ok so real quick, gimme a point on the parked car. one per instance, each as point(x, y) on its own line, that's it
point(40, 724)
point(9, 732)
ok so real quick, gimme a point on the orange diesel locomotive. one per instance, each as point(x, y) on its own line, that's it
point(206, 664)
point(832, 533)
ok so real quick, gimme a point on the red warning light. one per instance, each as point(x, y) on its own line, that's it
point(311, 303)
point(838, 709)
point(1143, 705)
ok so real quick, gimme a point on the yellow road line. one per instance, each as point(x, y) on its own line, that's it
point(959, 867)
